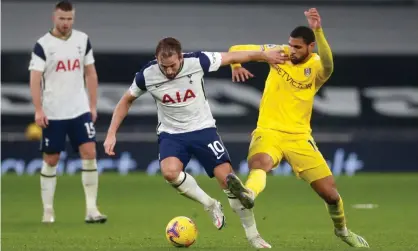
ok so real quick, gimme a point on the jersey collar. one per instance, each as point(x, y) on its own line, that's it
point(63, 39)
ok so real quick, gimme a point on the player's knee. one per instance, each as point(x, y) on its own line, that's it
point(51, 159)
point(171, 168)
point(88, 151)
point(170, 173)
point(261, 161)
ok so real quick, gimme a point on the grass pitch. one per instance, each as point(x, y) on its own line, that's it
point(289, 215)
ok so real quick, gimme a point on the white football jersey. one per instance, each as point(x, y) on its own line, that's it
point(62, 62)
point(181, 103)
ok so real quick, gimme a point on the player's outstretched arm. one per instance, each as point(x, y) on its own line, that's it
point(271, 57)
point(324, 50)
point(244, 47)
point(119, 115)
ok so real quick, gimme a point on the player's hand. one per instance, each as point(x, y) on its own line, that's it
point(276, 56)
point(240, 74)
point(93, 114)
point(41, 119)
point(109, 145)
point(314, 19)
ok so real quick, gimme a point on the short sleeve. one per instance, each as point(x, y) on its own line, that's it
point(210, 61)
point(138, 85)
point(38, 58)
point(88, 56)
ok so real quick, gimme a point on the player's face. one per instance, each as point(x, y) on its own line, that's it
point(170, 66)
point(299, 50)
point(63, 21)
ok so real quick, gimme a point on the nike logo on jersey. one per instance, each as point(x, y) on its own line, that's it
point(220, 156)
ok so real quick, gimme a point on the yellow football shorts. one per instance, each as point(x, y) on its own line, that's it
point(300, 152)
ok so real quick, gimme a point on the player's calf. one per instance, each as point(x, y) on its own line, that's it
point(259, 165)
point(247, 220)
point(48, 183)
point(326, 189)
point(172, 170)
point(90, 180)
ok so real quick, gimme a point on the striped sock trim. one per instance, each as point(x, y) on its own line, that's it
point(181, 183)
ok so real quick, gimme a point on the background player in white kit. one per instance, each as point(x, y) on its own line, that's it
point(60, 60)
point(186, 126)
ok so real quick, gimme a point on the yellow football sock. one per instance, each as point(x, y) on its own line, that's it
point(337, 214)
point(256, 181)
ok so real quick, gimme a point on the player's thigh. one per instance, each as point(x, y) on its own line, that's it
point(264, 151)
point(53, 140)
point(173, 155)
point(81, 131)
point(207, 146)
point(306, 160)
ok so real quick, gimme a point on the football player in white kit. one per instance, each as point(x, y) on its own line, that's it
point(60, 60)
point(186, 126)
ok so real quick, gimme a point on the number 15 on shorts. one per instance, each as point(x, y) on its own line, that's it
point(217, 148)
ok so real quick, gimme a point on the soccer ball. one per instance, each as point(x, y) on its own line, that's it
point(181, 232)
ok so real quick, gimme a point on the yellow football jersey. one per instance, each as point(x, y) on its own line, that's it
point(289, 91)
point(288, 95)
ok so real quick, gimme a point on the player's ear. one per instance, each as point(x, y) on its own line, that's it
point(312, 46)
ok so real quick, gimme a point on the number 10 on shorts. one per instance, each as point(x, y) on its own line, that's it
point(217, 148)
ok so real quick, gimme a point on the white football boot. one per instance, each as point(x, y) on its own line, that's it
point(218, 217)
point(48, 216)
point(258, 242)
point(95, 217)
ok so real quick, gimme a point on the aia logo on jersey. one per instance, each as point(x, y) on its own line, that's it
point(68, 65)
point(178, 98)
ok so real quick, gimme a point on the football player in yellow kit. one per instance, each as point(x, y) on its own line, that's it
point(283, 127)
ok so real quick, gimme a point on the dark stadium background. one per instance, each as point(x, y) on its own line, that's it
point(369, 107)
point(365, 117)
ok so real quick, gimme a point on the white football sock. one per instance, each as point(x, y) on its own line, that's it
point(188, 187)
point(246, 215)
point(90, 180)
point(48, 184)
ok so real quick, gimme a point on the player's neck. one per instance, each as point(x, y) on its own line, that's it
point(54, 32)
point(306, 59)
